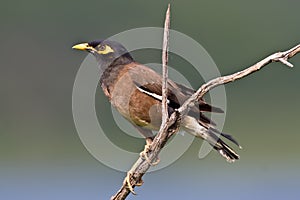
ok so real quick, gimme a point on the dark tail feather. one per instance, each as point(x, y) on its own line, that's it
point(225, 135)
point(206, 120)
point(228, 153)
point(229, 137)
point(205, 107)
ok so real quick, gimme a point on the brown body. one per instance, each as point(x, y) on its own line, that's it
point(135, 91)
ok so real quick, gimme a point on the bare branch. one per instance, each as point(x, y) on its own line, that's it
point(141, 166)
point(276, 57)
point(171, 124)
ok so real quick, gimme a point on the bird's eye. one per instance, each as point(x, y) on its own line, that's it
point(102, 47)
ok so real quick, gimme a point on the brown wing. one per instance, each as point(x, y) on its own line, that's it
point(149, 82)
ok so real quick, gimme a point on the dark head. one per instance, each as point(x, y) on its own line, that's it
point(106, 52)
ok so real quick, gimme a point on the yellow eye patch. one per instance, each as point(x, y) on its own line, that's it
point(107, 49)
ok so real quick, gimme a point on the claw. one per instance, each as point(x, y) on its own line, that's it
point(129, 185)
point(127, 180)
point(146, 150)
point(140, 183)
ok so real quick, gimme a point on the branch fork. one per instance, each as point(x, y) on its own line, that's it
point(170, 125)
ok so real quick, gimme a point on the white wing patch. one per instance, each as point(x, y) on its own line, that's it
point(155, 96)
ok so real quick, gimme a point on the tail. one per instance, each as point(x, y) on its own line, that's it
point(191, 125)
point(218, 144)
point(228, 153)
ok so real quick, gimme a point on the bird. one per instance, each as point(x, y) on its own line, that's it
point(135, 90)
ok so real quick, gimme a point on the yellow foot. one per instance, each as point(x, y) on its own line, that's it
point(145, 152)
point(129, 185)
point(127, 180)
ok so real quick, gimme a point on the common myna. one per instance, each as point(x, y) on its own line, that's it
point(135, 91)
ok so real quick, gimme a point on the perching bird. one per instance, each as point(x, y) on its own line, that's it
point(135, 91)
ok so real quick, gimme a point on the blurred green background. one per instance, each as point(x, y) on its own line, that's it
point(41, 156)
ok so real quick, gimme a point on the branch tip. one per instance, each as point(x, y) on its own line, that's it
point(285, 62)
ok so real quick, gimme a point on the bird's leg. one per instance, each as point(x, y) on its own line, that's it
point(129, 185)
point(146, 150)
point(149, 138)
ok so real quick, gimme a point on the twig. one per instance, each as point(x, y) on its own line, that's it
point(172, 123)
point(165, 68)
point(276, 57)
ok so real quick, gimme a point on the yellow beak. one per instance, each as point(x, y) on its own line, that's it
point(82, 46)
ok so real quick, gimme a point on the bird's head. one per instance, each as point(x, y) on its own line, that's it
point(106, 52)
